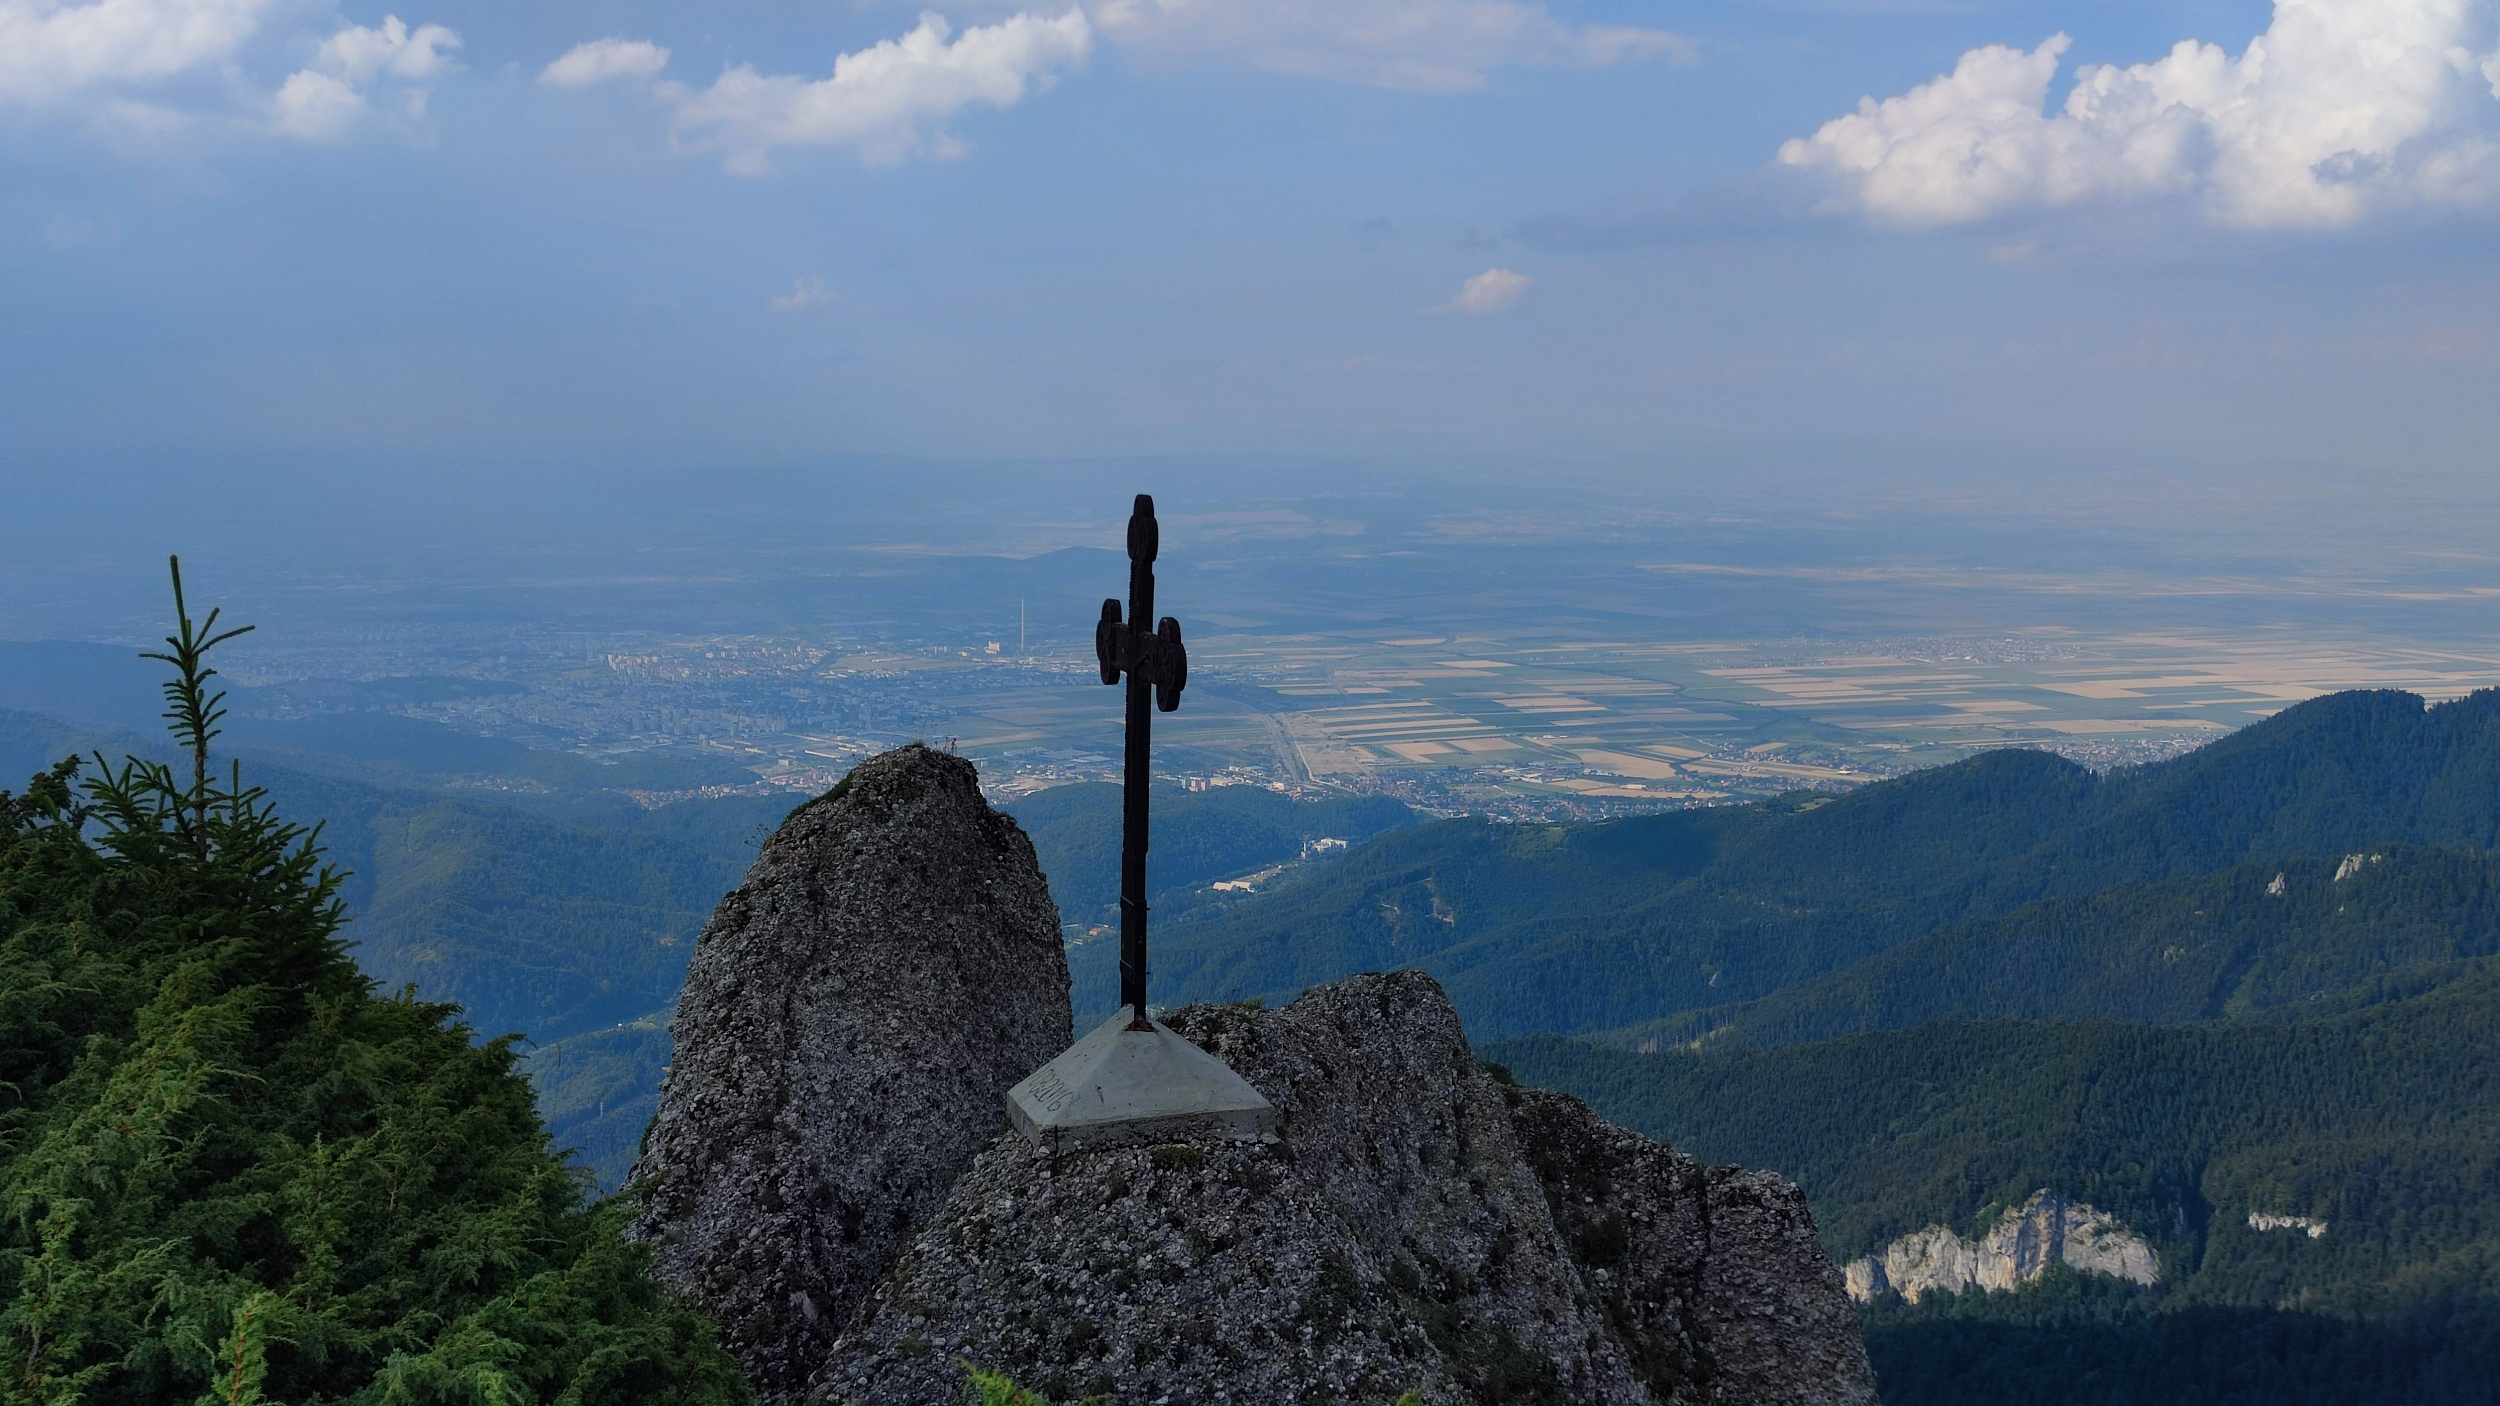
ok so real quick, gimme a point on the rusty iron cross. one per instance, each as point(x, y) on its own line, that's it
point(1157, 667)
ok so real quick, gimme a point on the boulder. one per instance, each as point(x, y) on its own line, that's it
point(852, 1016)
point(1399, 1234)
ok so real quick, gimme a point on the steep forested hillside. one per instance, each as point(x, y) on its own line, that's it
point(2273, 940)
point(1199, 837)
point(1585, 927)
point(2384, 1123)
point(534, 926)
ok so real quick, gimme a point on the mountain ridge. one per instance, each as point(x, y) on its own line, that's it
point(1609, 924)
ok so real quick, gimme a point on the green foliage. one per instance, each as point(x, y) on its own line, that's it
point(985, 1388)
point(230, 1171)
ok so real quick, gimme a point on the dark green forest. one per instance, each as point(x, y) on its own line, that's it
point(234, 1170)
point(2279, 940)
point(2382, 1121)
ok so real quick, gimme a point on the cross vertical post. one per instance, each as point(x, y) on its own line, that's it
point(1136, 768)
point(1133, 1081)
point(1157, 668)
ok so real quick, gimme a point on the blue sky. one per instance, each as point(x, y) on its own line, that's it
point(2051, 239)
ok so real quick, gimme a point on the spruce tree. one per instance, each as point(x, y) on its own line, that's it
point(231, 1171)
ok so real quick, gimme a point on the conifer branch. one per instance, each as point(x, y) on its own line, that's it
point(193, 711)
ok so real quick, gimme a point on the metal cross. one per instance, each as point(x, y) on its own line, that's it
point(1156, 665)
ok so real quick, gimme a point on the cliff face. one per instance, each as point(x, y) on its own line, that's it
point(2045, 1230)
point(851, 1016)
point(1712, 1277)
point(1414, 1227)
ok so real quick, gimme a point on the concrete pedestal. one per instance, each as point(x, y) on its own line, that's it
point(1120, 1086)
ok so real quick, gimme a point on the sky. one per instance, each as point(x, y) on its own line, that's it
point(2052, 239)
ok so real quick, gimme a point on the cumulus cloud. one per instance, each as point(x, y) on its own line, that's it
point(1490, 291)
point(51, 51)
point(149, 68)
point(2341, 108)
point(1432, 46)
point(882, 101)
point(327, 100)
point(603, 59)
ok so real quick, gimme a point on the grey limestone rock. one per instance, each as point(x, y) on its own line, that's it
point(1399, 1234)
point(851, 1018)
point(1713, 1278)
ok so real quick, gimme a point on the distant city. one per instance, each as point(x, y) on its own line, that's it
point(1475, 723)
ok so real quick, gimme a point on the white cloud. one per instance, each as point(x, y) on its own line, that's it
point(804, 293)
point(316, 107)
point(2340, 108)
point(325, 101)
point(51, 51)
point(145, 69)
point(1431, 46)
point(389, 50)
point(880, 100)
point(603, 59)
point(1490, 291)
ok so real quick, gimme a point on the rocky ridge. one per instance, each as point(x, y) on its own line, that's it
point(851, 1016)
point(1416, 1227)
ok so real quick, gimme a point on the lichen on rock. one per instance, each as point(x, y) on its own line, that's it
point(851, 1016)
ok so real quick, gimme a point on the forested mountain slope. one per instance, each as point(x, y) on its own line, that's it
point(534, 926)
point(2381, 1123)
point(2270, 940)
point(1581, 927)
point(1199, 837)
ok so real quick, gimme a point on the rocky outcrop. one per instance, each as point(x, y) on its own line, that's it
point(851, 1017)
point(1413, 1227)
point(2047, 1229)
point(1713, 1278)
